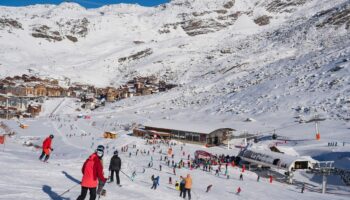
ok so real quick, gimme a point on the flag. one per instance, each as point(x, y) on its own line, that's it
point(2, 139)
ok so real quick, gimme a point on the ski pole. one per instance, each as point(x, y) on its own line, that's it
point(69, 189)
point(126, 175)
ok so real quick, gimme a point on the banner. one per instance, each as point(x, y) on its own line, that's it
point(2, 139)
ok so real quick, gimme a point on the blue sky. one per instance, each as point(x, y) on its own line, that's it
point(85, 3)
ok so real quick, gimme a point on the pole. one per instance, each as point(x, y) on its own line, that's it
point(324, 183)
point(7, 107)
point(68, 190)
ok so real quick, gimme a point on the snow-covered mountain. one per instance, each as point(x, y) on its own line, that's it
point(231, 57)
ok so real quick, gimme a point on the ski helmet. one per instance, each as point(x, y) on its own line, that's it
point(51, 136)
point(115, 152)
point(100, 147)
point(100, 150)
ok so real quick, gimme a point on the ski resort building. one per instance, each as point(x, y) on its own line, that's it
point(268, 158)
point(186, 132)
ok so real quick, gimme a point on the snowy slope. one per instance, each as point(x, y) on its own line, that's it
point(24, 177)
point(276, 55)
point(279, 62)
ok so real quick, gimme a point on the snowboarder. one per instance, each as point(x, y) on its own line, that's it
point(92, 171)
point(188, 186)
point(115, 166)
point(46, 148)
point(209, 187)
point(155, 182)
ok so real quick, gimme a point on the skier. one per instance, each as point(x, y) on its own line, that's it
point(182, 186)
point(170, 180)
point(217, 172)
point(271, 178)
point(174, 170)
point(303, 188)
point(241, 177)
point(133, 175)
point(155, 182)
point(114, 167)
point(258, 179)
point(209, 187)
point(46, 148)
point(92, 171)
point(188, 186)
point(160, 167)
point(238, 190)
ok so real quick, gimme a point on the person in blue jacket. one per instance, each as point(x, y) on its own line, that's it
point(155, 182)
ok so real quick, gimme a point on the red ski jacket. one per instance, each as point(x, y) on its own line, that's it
point(47, 143)
point(92, 171)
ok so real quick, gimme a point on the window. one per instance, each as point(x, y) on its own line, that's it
point(195, 137)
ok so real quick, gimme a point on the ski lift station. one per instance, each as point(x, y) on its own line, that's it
point(276, 160)
point(210, 134)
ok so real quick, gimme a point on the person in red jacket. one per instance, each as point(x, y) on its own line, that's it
point(92, 171)
point(46, 148)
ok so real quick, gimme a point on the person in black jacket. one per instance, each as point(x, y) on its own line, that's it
point(115, 166)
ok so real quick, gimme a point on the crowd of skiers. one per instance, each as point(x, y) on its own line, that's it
point(93, 178)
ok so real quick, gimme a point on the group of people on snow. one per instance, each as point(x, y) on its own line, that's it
point(92, 170)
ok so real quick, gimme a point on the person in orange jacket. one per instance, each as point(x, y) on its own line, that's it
point(92, 172)
point(188, 186)
point(46, 148)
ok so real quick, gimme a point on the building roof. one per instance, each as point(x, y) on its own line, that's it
point(203, 128)
point(268, 157)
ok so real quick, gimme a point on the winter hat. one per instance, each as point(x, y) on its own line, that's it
point(51, 136)
point(115, 152)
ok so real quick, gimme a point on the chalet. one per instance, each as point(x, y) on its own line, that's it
point(54, 91)
point(187, 132)
point(34, 110)
point(124, 92)
point(19, 103)
point(29, 90)
point(112, 94)
point(147, 91)
point(40, 90)
point(138, 87)
point(9, 112)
